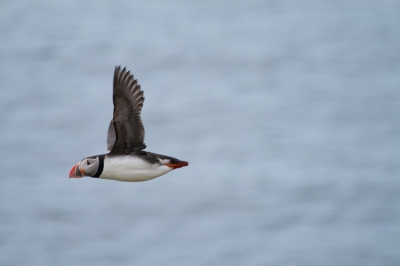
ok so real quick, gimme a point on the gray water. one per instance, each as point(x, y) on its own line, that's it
point(288, 112)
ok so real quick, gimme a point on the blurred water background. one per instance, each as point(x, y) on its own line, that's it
point(288, 112)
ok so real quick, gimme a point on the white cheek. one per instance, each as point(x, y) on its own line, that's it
point(82, 165)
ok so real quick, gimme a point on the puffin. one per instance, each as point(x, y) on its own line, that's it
point(126, 159)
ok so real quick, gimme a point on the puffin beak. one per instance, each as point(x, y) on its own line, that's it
point(75, 172)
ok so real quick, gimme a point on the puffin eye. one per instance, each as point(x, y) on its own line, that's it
point(90, 161)
point(89, 166)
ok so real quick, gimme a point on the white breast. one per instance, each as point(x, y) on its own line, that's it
point(131, 169)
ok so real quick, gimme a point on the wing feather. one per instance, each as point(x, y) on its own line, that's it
point(110, 136)
point(127, 124)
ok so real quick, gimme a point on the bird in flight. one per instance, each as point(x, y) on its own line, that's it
point(126, 159)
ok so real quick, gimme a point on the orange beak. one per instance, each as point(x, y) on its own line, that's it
point(75, 172)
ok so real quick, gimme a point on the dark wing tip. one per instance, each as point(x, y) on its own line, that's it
point(127, 86)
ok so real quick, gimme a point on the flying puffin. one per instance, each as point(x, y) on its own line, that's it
point(126, 159)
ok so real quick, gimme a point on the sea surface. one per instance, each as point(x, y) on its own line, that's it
point(287, 111)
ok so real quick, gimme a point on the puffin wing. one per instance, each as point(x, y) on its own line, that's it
point(110, 136)
point(126, 130)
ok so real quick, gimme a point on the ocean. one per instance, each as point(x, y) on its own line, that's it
point(287, 111)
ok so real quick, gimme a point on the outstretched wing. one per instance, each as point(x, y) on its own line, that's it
point(110, 136)
point(126, 126)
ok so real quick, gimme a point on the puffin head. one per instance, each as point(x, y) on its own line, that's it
point(89, 166)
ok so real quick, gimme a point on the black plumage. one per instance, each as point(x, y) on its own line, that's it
point(126, 131)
